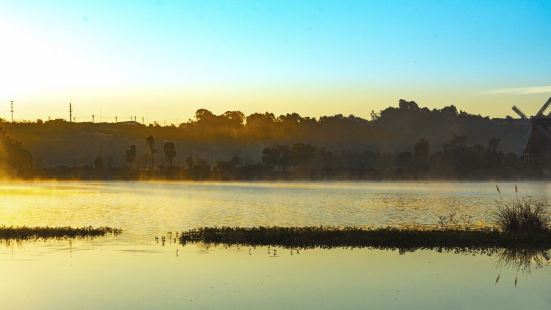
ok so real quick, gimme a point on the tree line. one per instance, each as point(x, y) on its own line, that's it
point(400, 142)
point(455, 159)
point(219, 136)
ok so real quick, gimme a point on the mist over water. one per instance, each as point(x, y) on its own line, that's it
point(136, 271)
point(146, 208)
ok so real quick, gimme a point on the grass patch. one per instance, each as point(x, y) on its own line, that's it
point(521, 215)
point(33, 233)
point(380, 238)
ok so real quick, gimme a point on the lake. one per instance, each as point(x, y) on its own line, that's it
point(134, 271)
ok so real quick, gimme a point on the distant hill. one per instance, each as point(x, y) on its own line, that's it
point(216, 137)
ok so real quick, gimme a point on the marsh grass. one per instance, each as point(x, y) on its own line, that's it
point(520, 224)
point(23, 233)
point(381, 238)
point(521, 215)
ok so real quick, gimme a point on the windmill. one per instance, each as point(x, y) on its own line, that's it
point(538, 148)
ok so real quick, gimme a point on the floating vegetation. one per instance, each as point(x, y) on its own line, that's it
point(23, 233)
point(381, 238)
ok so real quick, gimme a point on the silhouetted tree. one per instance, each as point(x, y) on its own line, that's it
point(131, 155)
point(407, 105)
point(301, 154)
point(98, 163)
point(228, 169)
point(150, 141)
point(493, 158)
point(170, 152)
point(278, 157)
point(13, 157)
point(421, 151)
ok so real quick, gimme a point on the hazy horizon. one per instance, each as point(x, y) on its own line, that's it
point(165, 59)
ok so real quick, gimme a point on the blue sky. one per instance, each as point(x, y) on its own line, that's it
point(166, 58)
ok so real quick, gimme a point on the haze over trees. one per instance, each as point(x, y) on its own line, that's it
point(15, 160)
point(236, 139)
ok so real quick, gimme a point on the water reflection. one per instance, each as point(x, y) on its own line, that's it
point(148, 275)
point(521, 260)
point(518, 260)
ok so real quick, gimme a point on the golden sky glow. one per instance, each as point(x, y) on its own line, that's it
point(164, 60)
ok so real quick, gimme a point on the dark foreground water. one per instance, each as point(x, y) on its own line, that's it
point(133, 271)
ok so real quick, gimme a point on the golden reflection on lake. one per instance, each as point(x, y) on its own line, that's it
point(146, 208)
point(133, 271)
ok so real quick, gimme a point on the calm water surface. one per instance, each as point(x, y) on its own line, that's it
point(133, 271)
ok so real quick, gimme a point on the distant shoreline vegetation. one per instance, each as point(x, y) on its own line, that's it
point(404, 143)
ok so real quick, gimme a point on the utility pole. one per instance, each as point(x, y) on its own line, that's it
point(70, 112)
point(11, 110)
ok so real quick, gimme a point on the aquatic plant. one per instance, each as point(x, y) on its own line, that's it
point(381, 238)
point(521, 215)
point(453, 221)
point(29, 233)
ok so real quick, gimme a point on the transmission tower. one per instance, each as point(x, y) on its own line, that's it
point(11, 110)
point(70, 112)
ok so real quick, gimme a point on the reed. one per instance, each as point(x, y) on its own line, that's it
point(521, 215)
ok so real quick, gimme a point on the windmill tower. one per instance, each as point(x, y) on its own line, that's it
point(538, 148)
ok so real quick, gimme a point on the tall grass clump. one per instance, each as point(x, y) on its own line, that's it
point(521, 215)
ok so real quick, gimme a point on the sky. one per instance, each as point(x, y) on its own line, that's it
point(163, 60)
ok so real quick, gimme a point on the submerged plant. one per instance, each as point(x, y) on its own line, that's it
point(521, 215)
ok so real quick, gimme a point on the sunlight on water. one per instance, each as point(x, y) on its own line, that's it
point(133, 271)
point(156, 207)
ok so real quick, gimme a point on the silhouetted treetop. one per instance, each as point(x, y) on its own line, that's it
point(219, 136)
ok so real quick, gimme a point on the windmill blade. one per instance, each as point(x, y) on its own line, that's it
point(519, 112)
point(544, 131)
point(544, 107)
point(521, 144)
point(526, 135)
